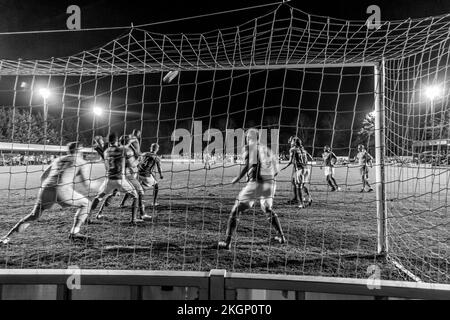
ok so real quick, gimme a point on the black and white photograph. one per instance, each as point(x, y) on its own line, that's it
point(224, 151)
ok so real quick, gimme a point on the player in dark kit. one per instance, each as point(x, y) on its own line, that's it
point(131, 171)
point(134, 142)
point(149, 162)
point(329, 161)
point(299, 159)
point(261, 168)
point(116, 163)
point(364, 161)
point(100, 146)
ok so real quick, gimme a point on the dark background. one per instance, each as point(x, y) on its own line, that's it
point(318, 118)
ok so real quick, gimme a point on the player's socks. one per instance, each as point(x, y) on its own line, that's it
point(276, 222)
point(95, 203)
point(330, 183)
point(224, 245)
point(362, 190)
point(124, 200)
point(300, 195)
point(155, 195)
point(135, 218)
point(100, 211)
point(334, 183)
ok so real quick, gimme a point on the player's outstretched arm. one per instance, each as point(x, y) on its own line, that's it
point(291, 161)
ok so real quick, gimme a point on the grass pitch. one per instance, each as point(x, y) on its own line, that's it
point(336, 236)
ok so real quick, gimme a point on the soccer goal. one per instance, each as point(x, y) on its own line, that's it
point(327, 81)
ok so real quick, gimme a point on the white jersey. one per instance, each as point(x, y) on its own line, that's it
point(64, 170)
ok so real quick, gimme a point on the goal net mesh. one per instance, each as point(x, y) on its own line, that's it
point(289, 72)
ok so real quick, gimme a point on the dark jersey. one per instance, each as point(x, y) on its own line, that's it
point(364, 158)
point(131, 163)
point(100, 149)
point(149, 161)
point(115, 162)
point(329, 159)
point(135, 146)
point(298, 158)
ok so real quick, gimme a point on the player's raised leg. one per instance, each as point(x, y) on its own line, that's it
point(46, 199)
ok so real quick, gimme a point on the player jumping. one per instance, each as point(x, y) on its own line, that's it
point(261, 167)
point(329, 161)
point(299, 159)
point(116, 163)
point(150, 161)
point(364, 161)
point(134, 142)
point(100, 146)
point(132, 176)
point(57, 187)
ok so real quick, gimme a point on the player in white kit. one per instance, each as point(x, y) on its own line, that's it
point(261, 167)
point(57, 187)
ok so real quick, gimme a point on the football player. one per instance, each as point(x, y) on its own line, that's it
point(261, 168)
point(146, 176)
point(116, 163)
point(329, 161)
point(299, 159)
point(364, 161)
point(57, 187)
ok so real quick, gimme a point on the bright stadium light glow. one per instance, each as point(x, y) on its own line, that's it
point(45, 93)
point(433, 91)
point(98, 111)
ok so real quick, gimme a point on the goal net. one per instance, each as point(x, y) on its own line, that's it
point(287, 73)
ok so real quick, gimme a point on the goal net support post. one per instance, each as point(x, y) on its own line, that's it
point(382, 236)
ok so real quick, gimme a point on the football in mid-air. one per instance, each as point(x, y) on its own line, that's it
point(170, 76)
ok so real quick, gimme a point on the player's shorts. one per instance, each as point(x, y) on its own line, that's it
point(64, 196)
point(306, 175)
point(364, 170)
point(121, 185)
point(264, 191)
point(147, 182)
point(136, 184)
point(328, 171)
point(299, 176)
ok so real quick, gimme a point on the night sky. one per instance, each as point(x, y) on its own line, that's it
point(249, 99)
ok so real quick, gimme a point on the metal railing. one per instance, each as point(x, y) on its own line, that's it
point(215, 285)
